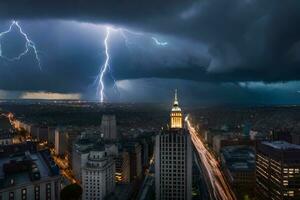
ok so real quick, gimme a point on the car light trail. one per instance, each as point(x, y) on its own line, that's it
point(221, 188)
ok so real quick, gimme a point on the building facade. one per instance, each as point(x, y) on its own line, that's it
point(135, 158)
point(60, 144)
point(173, 160)
point(98, 175)
point(80, 153)
point(109, 127)
point(238, 163)
point(123, 167)
point(278, 171)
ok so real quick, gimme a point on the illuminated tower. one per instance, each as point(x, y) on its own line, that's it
point(173, 159)
point(176, 115)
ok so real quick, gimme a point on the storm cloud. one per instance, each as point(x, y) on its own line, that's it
point(210, 41)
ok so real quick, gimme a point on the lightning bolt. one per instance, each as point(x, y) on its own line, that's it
point(105, 67)
point(159, 42)
point(28, 45)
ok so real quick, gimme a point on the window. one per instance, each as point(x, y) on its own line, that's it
point(48, 191)
point(24, 194)
point(37, 192)
point(11, 196)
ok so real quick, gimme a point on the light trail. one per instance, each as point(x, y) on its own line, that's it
point(221, 188)
point(28, 45)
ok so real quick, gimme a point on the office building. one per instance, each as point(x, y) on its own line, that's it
point(98, 174)
point(135, 157)
point(173, 159)
point(51, 136)
point(60, 145)
point(278, 171)
point(64, 139)
point(109, 127)
point(238, 163)
point(123, 167)
point(80, 152)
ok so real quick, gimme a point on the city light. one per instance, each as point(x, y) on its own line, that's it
point(221, 189)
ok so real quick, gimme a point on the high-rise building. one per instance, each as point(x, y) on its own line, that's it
point(80, 153)
point(145, 153)
point(109, 127)
point(39, 133)
point(98, 175)
point(135, 158)
point(122, 167)
point(60, 144)
point(238, 163)
point(278, 171)
point(51, 136)
point(173, 159)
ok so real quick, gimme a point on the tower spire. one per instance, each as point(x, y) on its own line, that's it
point(175, 99)
point(176, 115)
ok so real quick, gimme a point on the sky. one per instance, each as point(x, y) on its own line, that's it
point(214, 52)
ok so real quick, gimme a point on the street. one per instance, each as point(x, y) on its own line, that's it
point(217, 184)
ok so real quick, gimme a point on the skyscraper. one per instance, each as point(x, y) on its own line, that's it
point(173, 159)
point(123, 167)
point(135, 158)
point(60, 141)
point(277, 171)
point(109, 127)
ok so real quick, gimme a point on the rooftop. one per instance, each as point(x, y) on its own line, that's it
point(239, 158)
point(25, 167)
point(281, 145)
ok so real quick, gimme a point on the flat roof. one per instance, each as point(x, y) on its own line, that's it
point(22, 177)
point(281, 145)
point(239, 158)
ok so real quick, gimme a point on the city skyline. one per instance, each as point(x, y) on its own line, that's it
point(85, 150)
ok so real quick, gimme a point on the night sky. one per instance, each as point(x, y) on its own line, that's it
point(218, 52)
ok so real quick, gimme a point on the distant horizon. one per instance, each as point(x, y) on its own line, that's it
point(152, 103)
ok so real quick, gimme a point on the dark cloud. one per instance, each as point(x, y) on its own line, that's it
point(209, 41)
point(92, 10)
point(250, 36)
point(207, 93)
